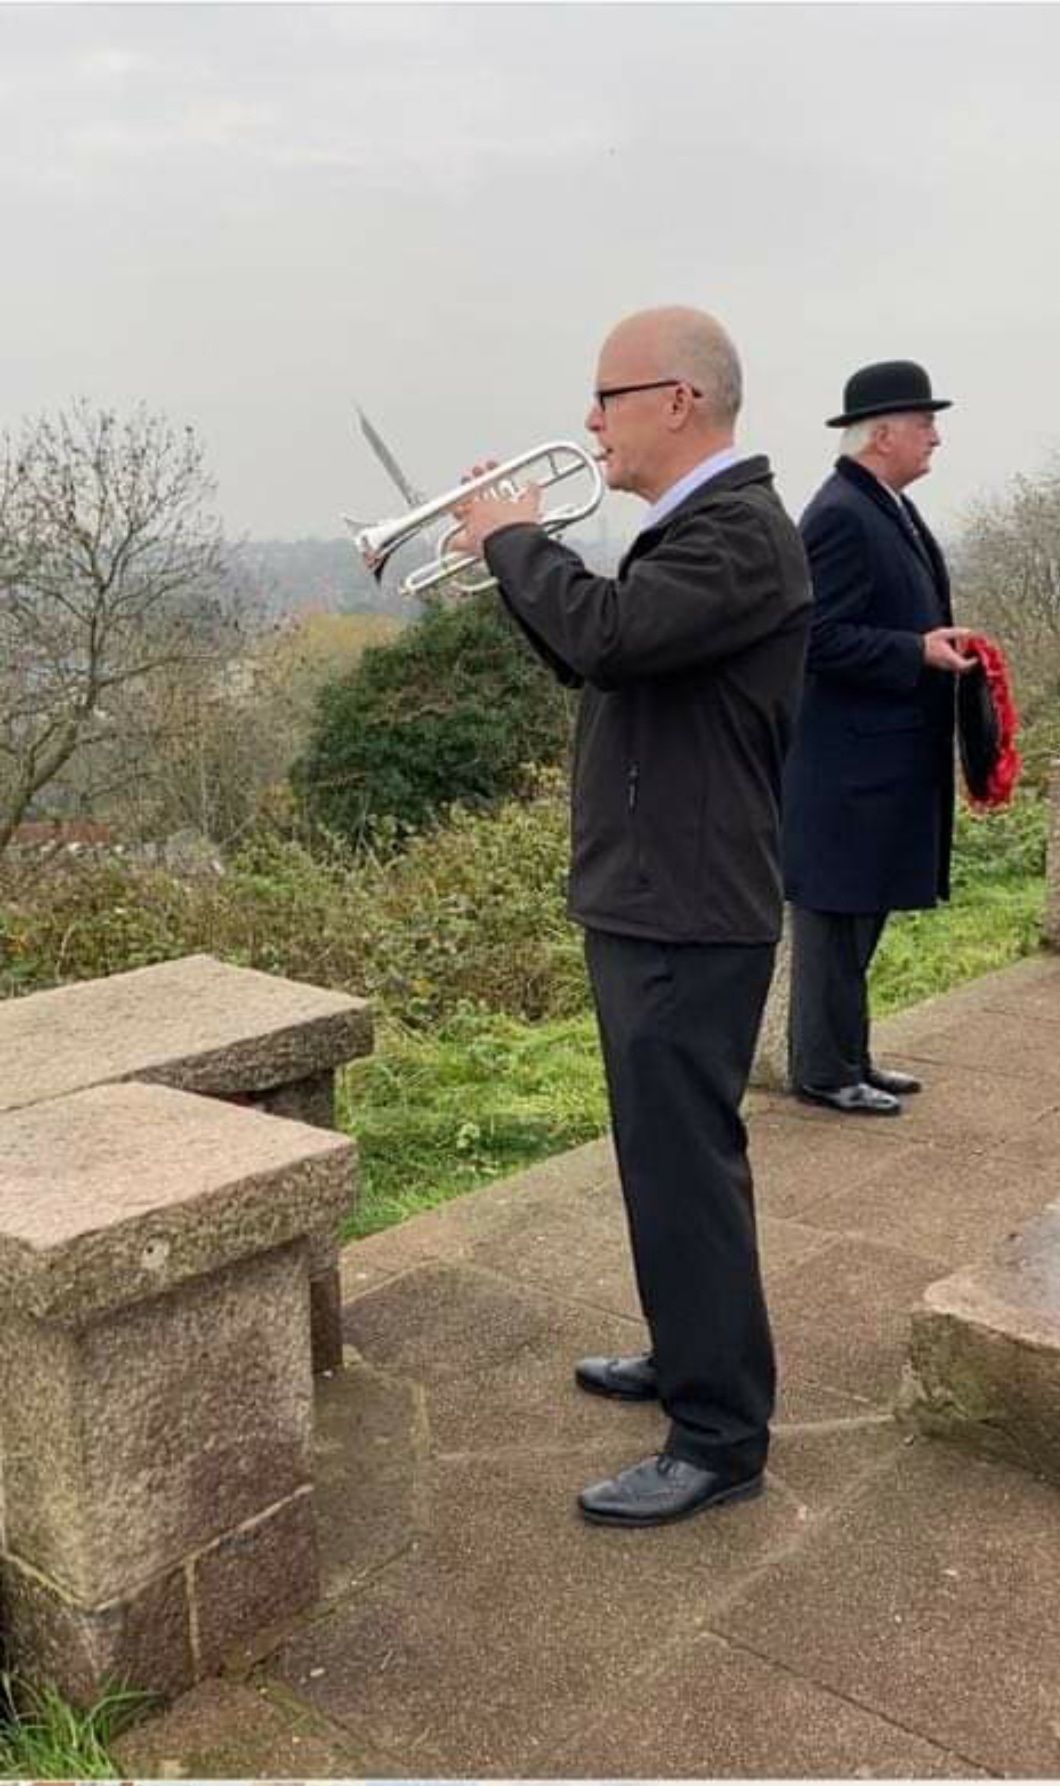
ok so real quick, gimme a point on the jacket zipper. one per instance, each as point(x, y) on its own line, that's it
point(634, 772)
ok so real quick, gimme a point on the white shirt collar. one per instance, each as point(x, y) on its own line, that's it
point(699, 474)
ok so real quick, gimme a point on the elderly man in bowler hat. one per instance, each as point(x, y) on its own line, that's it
point(690, 662)
point(869, 784)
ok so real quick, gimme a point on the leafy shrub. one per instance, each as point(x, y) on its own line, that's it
point(468, 915)
point(451, 711)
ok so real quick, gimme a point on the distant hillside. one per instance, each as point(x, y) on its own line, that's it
point(325, 576)
point(322, 576)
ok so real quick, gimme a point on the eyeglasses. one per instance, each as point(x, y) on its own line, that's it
point(656, 384)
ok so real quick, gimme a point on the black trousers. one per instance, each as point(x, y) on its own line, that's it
point(828, 1031)
point(678, 1025)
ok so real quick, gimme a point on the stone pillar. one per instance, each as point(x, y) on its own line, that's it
point(199, 1025)
point(769, 1070)
point(155, 1383)
point(312, 1100)
point(1052, 861)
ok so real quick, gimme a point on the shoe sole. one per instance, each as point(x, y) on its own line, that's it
point(741, 1491)
point(616, 1395)
point(806, 1097)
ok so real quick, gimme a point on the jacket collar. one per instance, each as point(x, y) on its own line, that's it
point(756, 470)
point(871, 486)
point(923, 539)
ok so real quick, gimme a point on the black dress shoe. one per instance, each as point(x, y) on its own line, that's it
point(900, 1085)
point(852, 1100)
point(627, 1379)
point(661, 1489)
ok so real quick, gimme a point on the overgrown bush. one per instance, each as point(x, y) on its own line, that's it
point(468, 914)
point(452, 711)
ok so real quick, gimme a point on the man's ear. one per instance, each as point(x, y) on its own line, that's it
point(680, 407)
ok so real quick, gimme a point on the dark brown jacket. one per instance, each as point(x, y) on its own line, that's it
point(691, 661)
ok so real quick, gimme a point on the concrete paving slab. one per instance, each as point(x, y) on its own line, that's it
point(371, 1440)
point(933, 1204)
point(1020, 1048)
point(821, 1463)
point(842, 1319)
point(1029, 988)
point(222, 1730)
point(511, 1622)
point(1038, 1143)
point(966, 1106)
point(786, 1245)
point(931, 1599)
point(720, 1712)
point(798, 1165)
point(503, 1379)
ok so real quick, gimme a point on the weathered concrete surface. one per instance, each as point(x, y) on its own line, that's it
point(195, 1024)
point(224, 1730)
point(198, 1025)
point(125, 1191)
point(929, 1599)
point(155, 1385)
point(114, 1469)
point(886, 1610)
point(984, 1363)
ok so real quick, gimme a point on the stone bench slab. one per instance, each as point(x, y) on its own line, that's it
point(984, 1359)
point(196, 1024)
point(125, 1191)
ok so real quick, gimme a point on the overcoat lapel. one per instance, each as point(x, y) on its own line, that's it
point(909, 522)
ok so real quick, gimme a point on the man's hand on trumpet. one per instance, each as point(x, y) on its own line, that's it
point(488, 510)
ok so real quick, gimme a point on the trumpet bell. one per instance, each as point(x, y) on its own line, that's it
point(557, 461)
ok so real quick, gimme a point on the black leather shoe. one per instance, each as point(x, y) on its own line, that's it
point(900, 1085)
point(627, 1379)
point(852, 1100)
point(661, 1489)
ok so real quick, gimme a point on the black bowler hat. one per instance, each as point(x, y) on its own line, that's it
point(885, 389)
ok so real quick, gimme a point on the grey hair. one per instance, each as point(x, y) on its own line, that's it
point(858, 437)
point(703, 353)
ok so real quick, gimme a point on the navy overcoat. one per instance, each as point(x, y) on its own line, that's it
point(869, 783)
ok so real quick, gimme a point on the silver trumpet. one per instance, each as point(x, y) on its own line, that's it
point(559, 460)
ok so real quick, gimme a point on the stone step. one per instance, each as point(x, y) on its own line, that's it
point(984, 1359)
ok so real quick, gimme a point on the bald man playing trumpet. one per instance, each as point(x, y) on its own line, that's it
point(690, 664)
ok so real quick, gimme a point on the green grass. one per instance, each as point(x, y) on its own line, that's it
point(436, 1115)
point(43, 1738)
point(987, 926)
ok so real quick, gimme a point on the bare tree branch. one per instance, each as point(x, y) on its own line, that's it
point(112, 567)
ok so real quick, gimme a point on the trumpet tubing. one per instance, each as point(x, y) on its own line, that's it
point(560, 460)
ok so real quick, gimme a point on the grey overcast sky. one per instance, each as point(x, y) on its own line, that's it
point(249, 216)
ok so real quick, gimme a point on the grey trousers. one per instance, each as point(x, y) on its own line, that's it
point(828, 1025)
